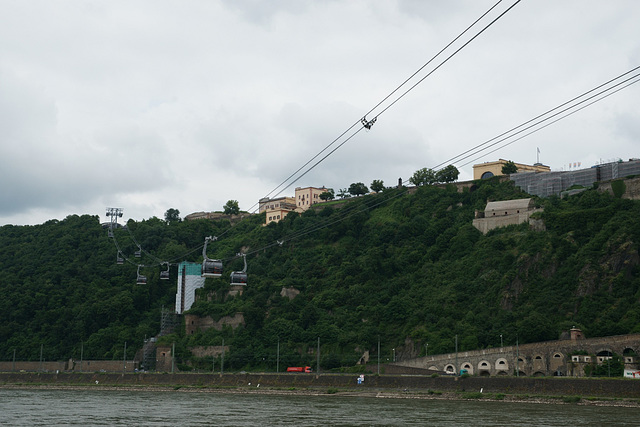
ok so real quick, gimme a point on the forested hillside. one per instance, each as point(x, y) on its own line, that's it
point(405, 269)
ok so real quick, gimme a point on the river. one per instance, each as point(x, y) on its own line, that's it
point(42, 407)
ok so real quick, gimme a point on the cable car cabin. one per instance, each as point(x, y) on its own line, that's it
point(142, 280)
point(119, 260)
point(211, 268)
point(239, 278)
point(164, 275)
point(138, 254)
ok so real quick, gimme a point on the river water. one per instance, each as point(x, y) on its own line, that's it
point(41, 407)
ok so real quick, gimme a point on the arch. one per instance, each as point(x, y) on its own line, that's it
point(484, 367)
point(538, 374)
point(485, 373)
point(502, 373)
point(629, 352)
point(557, 355)
point(487, 175)
point(520, 374)
point(433, 368)
point(502, 364)
point(468, 366)
point(450, 369)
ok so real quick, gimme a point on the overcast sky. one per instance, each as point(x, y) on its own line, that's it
point(158, 104)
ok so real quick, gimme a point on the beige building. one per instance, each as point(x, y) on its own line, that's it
point(307, 196)
point(489, 169)
point(276, 209)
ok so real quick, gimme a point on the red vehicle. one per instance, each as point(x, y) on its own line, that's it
point(306, 369)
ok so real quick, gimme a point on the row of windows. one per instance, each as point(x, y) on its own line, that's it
point(274, 218)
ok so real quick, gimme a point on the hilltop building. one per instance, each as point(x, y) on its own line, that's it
point(490, 169)
point(278, 208)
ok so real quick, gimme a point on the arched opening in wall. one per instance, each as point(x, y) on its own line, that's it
point(538, 374)
point(603, 356)
point(473, 188)
point(520, 374)
point(433, 368)
point(450, 369)
point(629, 352)
point(557, 356)
point(502, 373)
point(502, 365)
point(486, 175)
point(468, 367)
point(485, 373)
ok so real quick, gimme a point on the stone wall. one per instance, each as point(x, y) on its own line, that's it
point(632, 188)
point(71, 366)
point(538, 359)
point(195, 323)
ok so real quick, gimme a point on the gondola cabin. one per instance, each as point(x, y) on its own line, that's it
point(239, 278)
point(164, 275)
point(211, 268)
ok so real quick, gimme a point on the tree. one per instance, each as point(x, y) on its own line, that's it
point(328, 195)
point(232, 207)
point(358, 189)
point(343, 193)
point(447, 174)
point(377, 185)
point(424, 176)
point(172, 216)
point(509, 168)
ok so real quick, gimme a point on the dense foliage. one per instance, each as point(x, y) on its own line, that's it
point(403, 269)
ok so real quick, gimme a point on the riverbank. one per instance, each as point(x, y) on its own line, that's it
point(595, 392)
point(379, 394)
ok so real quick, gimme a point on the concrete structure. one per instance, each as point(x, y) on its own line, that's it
point(503, 213)
point(189, 279)
point(554, 183)
point(567, 357)
point(491, 169)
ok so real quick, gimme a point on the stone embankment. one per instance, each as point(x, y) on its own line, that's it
point(602, 388)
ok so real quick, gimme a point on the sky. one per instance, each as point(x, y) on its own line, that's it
point(148, 105)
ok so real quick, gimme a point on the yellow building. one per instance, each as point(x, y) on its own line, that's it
point(488, 169)
point(307, 196)
point(276, 209)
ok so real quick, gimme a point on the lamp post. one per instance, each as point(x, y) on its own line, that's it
point(394, 354)
point(500, 340)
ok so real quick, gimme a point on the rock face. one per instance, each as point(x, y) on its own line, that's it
point(290, 293)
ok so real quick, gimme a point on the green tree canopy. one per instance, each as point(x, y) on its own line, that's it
point(424, 176)
point(172, 216)
point(328, 194)
point(232, 207)
point(358, 189)
point(509, 168)
point(447, 174)
point(377, 185)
